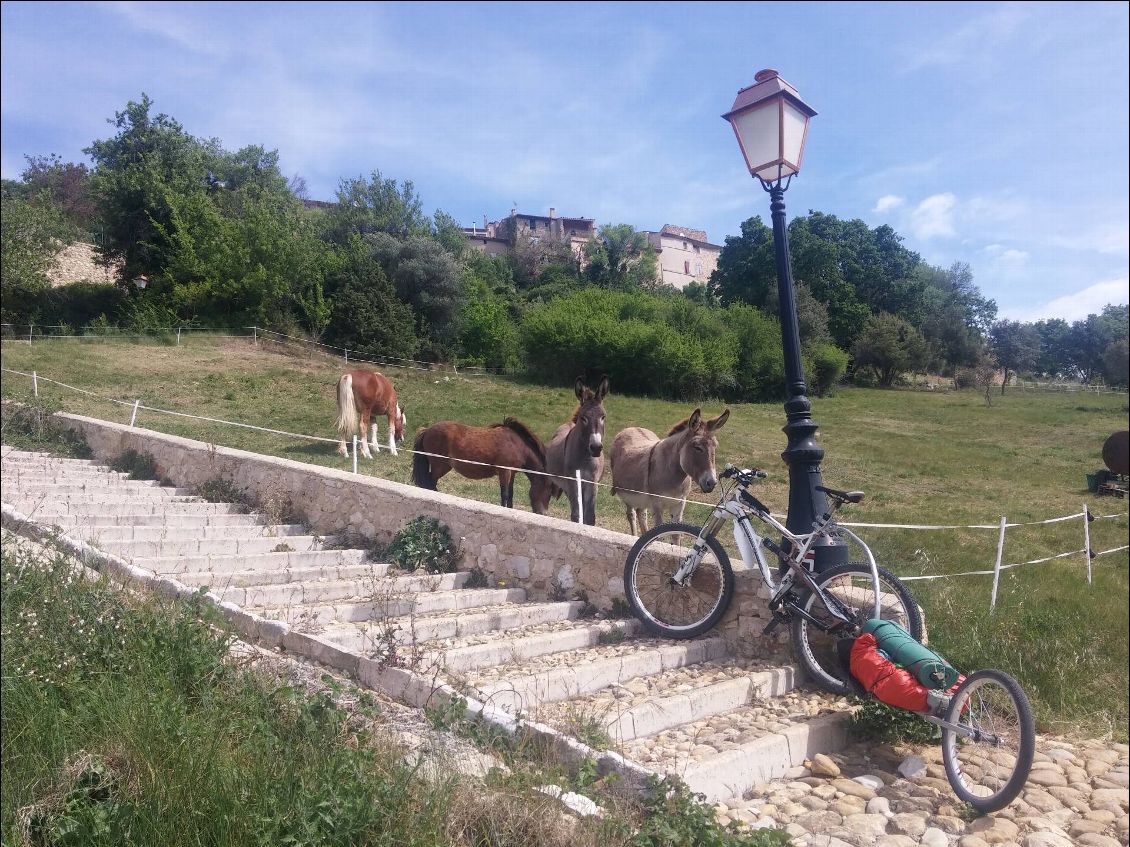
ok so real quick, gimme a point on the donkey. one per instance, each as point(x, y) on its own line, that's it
point(360, 395)
point(646, 469)
point(578, 445)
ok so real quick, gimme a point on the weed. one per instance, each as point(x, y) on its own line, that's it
point(477, 579)
point(282, 547)
point(221, 490)
point(137, 465)
point(876, 721)
point(612, 636)
point(620, 608)
point(29, 426)
point(425, 543)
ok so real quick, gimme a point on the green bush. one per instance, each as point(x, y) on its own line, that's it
point(876, 721)
point(423, 543)
point(82, 303)
point(29, 426)
point(824, 365)
point(137, 465)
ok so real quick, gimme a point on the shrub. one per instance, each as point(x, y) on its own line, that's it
point(137, 465)
point(424, 543)
point(30, 426)
point(826, 364)
point(876, 721)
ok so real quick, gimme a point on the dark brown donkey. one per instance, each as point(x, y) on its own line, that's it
point(578, 445)
point(495, 450)
point(644, 465)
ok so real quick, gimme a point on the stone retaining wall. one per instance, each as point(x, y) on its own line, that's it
point(549, 557)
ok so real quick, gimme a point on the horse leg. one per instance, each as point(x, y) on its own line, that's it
point(362, 429)
point(506, 488)
point(631, 513)
point(342, 449)
point(373, 437)
point(588, 497)
point(391, 430)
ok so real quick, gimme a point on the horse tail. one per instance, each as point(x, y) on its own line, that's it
point(527, 435)
point(347, 417)
point(421, 467)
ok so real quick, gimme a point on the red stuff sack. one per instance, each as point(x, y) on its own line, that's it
point(884, 679)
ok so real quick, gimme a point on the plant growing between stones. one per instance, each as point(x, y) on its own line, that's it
point(424, 543)
point(876, 721)
point(29, 425)
point(137, 465)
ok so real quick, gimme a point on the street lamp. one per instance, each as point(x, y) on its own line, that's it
point(771, 124)
point(140, 282)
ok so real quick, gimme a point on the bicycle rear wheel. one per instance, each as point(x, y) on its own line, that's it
point(663, 606)
point(850, 584)
point(988, 769)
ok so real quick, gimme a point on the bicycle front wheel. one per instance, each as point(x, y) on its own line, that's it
point(989, 768)
point(665, 607)
point(850, 584)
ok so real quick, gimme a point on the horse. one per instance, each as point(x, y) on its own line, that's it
point(646, 468)
point(577, 445)
point(498, 449)
point(360, 394)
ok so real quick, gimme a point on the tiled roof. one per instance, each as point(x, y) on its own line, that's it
point(683, 231)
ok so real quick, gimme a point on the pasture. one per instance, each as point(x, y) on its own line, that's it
point(942, 457)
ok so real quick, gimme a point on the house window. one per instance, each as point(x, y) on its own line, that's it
point(687, 268)
point(533, 224)
point(698, 268)
point(684, 245)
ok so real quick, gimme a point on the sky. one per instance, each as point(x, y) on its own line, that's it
point(994, 134)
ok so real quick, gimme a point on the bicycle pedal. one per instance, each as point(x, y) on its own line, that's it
point(771, 627)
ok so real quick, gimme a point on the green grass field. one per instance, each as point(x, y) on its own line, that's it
point(942, 457)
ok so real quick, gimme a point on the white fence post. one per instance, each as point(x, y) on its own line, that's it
point(997, 566)
point(347, 355)
point(580, 500)
point(133, 415)
point(30, 332)
point(34, 384)
point(355, 454)
point(255, 335)
point(178, 336)
point(1087, 540)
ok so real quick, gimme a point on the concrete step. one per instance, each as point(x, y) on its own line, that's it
point(324, 614)
point(49, 510)
point(524, 686)
point(184, 520)
point(364, 636)
point(91, 478)
point(514, 648)
point(246, 578)
point(725, 755)
point(173, 534)
point(227, 564)
point(379, 590)
point(648, 705)
point(37, 473)
point(130, 487)
point(203, 547)
point(80, 502)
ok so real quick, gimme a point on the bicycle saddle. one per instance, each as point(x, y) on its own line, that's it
point(842, 496)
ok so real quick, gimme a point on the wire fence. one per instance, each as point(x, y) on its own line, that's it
point(576, 483)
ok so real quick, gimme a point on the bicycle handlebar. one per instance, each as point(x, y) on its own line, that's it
point(745, 475)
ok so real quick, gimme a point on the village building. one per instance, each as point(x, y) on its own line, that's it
point(685, 255)
point(497, 237)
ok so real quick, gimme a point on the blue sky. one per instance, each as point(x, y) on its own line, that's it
point(989, 133)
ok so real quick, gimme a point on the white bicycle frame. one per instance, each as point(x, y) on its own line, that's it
point(750, 543)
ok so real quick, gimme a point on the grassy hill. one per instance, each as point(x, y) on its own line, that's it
point(940, 457)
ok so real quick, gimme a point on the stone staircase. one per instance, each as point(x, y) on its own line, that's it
point(724, 724)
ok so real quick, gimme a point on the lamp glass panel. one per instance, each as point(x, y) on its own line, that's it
point(793, 124)
point(759, 131)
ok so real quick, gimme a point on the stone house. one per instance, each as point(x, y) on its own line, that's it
point(497, 237)
point(685, 255)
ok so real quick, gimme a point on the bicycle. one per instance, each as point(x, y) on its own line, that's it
point(679, 582)
point(987, 727)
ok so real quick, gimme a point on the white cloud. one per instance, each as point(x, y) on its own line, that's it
point(1008, 256)
point(933, 217)
point(1073, 307)
point(887, 202)
point(1111, 239)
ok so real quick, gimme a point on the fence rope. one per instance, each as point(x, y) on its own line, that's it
point(136, 405)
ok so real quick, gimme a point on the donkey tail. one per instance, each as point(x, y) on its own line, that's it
point(347, 417)
point(421, 467)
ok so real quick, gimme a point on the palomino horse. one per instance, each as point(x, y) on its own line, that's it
point(643, 466)
point(360, 395)
point(495, 450)
point(577, 446)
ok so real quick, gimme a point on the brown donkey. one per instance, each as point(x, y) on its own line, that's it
point(646, 468)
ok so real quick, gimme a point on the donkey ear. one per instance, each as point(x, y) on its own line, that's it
point(719, 421)
point(579, 388)
point(602, 389)
point(692, 421)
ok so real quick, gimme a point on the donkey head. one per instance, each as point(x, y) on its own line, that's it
point(589, 416)
point(696, 453)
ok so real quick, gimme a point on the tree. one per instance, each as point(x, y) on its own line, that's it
point(620, 258)
point(366, 314)
point(956, 315)
point(890, 346)
point(64, 185)
point(375, 205)
point(426, 277)
point(746, 272)
point(811, 314)
point(30, 239)
point(138, 176)
point(1116, 363)
point(1090, 337)
point(1015, 345)
point(1055, 347)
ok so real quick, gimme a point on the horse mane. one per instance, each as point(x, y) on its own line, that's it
point(679, 427)
point(526, 434)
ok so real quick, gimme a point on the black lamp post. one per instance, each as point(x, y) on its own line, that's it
point(771, 124)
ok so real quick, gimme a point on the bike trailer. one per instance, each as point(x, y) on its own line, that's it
point(930, 669)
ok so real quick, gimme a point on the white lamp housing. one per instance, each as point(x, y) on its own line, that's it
point(771, 124)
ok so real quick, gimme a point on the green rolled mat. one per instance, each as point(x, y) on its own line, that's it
point(930, 669)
